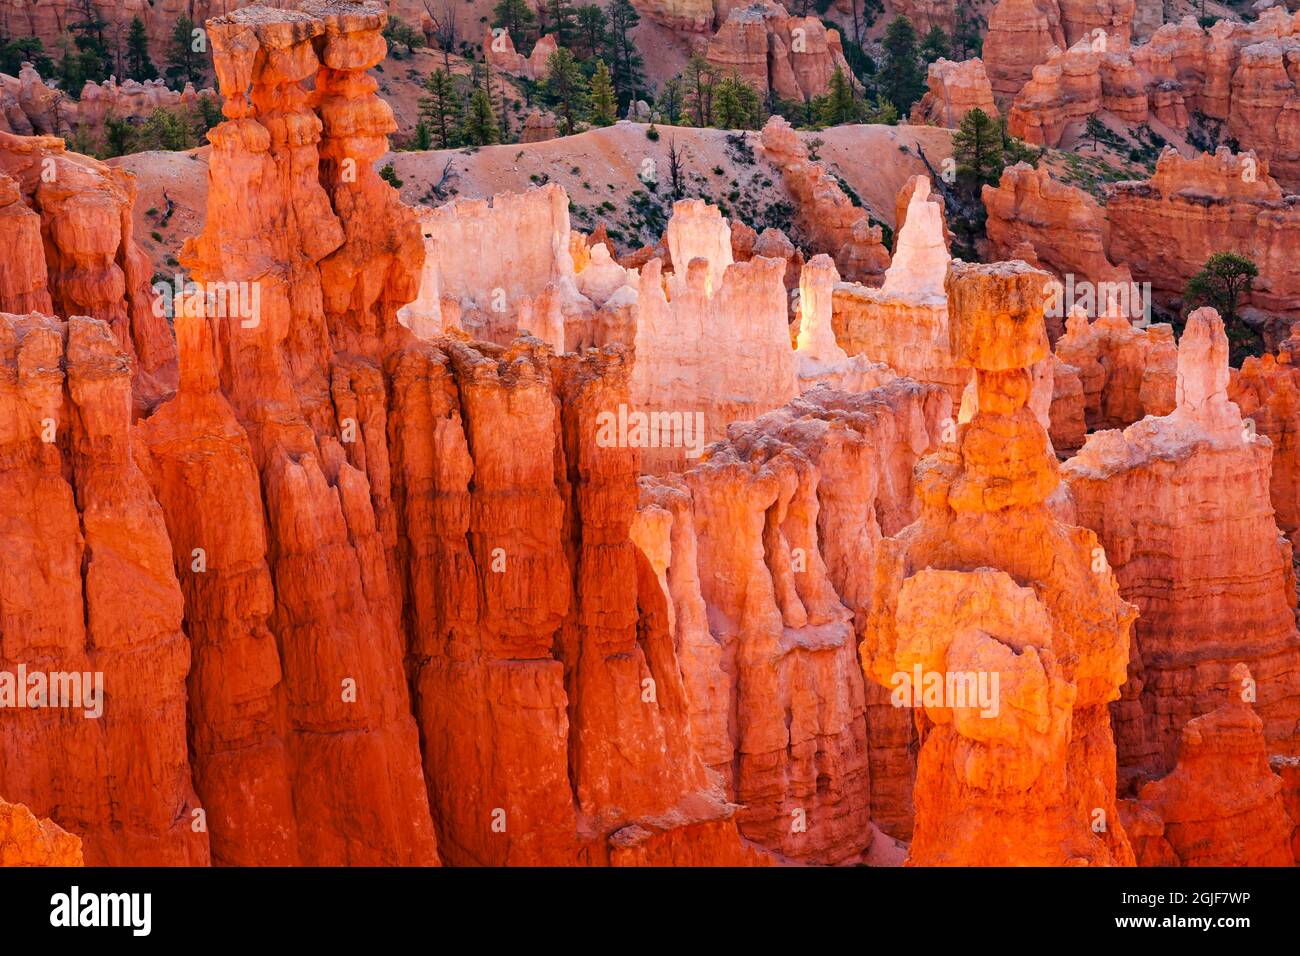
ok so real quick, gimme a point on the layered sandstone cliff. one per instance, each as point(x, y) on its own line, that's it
point(770, 543)
point(990, 593)
point(85, 261)
point(1166, 228)
point(792, 57)
point(1222, 805)
point(1073, 85)
point(952, 91)
point(1209, 571)
point(712, 339)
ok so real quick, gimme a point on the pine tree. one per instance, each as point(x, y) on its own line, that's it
point(977, 148)
point(839, 105)
point(421, 138)
point(669, 103)
point(566, 89)
point(518, 19)
point(934, 46)
point(699, 80)
point(966, 39)
point(119, 136)
point(736, 104)
point(625, 60)
point(184, 63)
point(164, 129)
point(902, 79)
point(563, 21)
point(480, 127)
point(602, 99)
point(87, 29)
point(440, 108)
point(138, 65)
point(592, 31)
point(25, 50)
point(1222, 283)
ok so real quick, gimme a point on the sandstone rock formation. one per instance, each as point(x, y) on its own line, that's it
point(769, 558)
point(1229, 82)
point(27, 841)
point(1068, 232)
point(1267, 390)
point(952, 91)
point(539, 126)
point(988, 582)
point(818, 357)
point(1167, 227)
point(1222, 805)
point(792, 57)
point(826, 217)
point(771, 243)
point(904, 324)
point(492, 267)
point(1067, 421)
point(710, 308)
point(88, 589)
point(28, 105)
point(1126, 371)
point(1073, 85)
point(499, 51)
point(72, 252)
point(685, 16)
point(1209, 571)
point(904, 200)
point(1021, 35)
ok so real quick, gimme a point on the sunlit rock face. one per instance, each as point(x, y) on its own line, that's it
point(987, 585)
point(1210, 571)
point(904, 324)
point(72, 251)
point(27, 841)
point(769, 544)
point(496, 267)
point(712, 338)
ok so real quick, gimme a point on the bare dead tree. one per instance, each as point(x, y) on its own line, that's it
point(444, 30)
point(438, 188)
point(676, 175)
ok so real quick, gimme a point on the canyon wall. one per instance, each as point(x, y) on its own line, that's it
point(1193, 208)
point(1210, 572)
point(769, 554)
point(792, 57)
